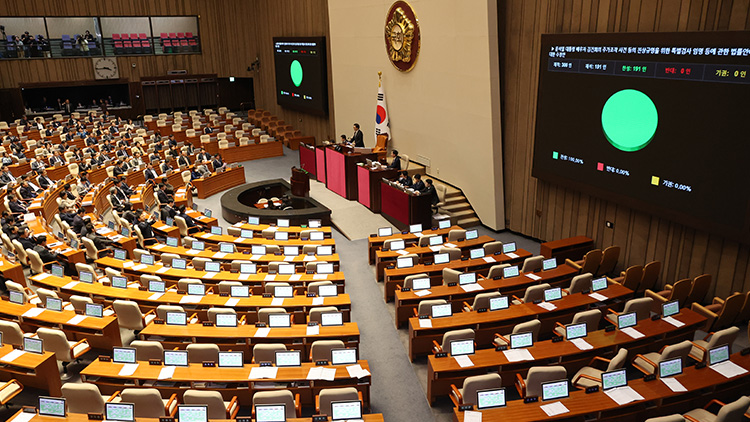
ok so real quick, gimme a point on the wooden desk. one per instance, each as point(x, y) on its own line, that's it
point(404, 208)
point(239, 153)
point(571, 248)
point(227, 258)
point(81, 417)
point(341, 169)
point(294, 231)
point(442, 372)
point(218, 182)
point(307, 158)
point(101, 333)
point(486, 324)
point(213, 240)
point(32, 370)
point(243, 337)
point(227, 381)
point(407, 302)
point(299, 305)
point(396, 276)
point(375, 243)
point(386, 258)
point(12, 271)
point(702, 385)
point(368, 185)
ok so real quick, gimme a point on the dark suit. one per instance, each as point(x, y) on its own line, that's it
point(358, 139)
point(419, 185)
point(167, 211)
point(77, 224)
point(431, 192)
point(15, 206)
point(396, 163)
point(151, 174)
point(145, 227)
point(26, 243)
point(27, 192)
point(44, 181)
point(162, 197)
point(183, 161)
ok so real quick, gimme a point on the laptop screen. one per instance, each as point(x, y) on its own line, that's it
point(317, 236)
point(226, 320)
point(476, 253)
point(509, 247)
point(147, 259)
point(277, 235)
point(57, 270)
point(288, 358)
point(170, 222)
point(121, 254)
point(329, 290)
point(253, 220)
point(286, 269)
point(282, 222)
point(215, 229)
point(718, 354)
point(415, 228)
point(86, 277)
point(420, 284)
point(554, 390)
point(574, 331)
point(314, 224)
point(328, 319)
point(121, 412)
point(172, 241)
point(156, 286)
point(614, 379)
point(521, 340)
point(33, 345)
point(670, 308)
point(439, 311)
point(511, 271)
point(498, 303)
point(326, 268)
point(444, 224)
point(119, 282)
point(343, 356)
point(462, 347)
point(283, 291)
point(179, 264)
point(248, 268)
point(54, 304)
point(198, 245)
point(487, 399)
point(239, 291)
point(436, 240)
point(598, 284)
point(467, 278)
point(230, 360)
point(270, 413)
point(225, 247)
point(346, 410)
point(258, 250)
point(549, 264)
point(471, 234)
point(397, 245)
point(95, 310)
point(385, 232)
point(246, 234)
point(670, 367)
point(441, 258)
point(51, 406)
point(176, 318)
point(176, 358)
point(279, 320)
point(554, 293)
point(16, 297)
point(212, 266)
point(123, 355)
point(192, 413)
point(324, 250)
point(627, 320)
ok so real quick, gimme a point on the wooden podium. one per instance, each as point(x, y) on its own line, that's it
point(300, 182)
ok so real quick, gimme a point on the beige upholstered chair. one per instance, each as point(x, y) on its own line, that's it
point(321, 349)
point(589, 376)
point(532, 326)
point(217, 408)
point(700, 349)
point(532, 294)
point(733, 411)
point(202, 352)
point(453, 335)
point(148, 402)
point(468, 393)
point(147, 349)
point(266, 352)
point(531, 386)
point(327, 396)
point(84, 398)
point(649, 363)
point(285, 397)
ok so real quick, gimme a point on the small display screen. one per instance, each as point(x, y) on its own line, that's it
point(172, 241)
point(462, 347)
point(549, 264)
point(57, 270)
point(123, 355)
point(574, 331)
point(198, 245)
point(467, 278)
point(404, 262)
point(278, 235)
point(50, 406)
point(346, 410)
point(230, 360)
point(215, 229)
point(253, 220)
point(226, 320)
point(291, 250)
point(288, 358)
point(282, 222)
point(326, 268)
point(314, 224)
point(258, 250)
point(246, 234)
point(397, 245)
point(343, 356)
point(471, 234)
point(436, 240)
point(192, 413)
point(176, 318)
point(509, 247)
point(324, 250)
point(279, 320)
point(415, 228)
point(95, 310)
point(212, 266)
point(598, 284)
point(196, 289)
point(283, 291)
point(17, 297)
point(420, 284)
point(521, 340)
point(498, 303)
point(156, 286)
point(270, 413)
point(614, 379)
point(444, 224)
point(179, 264)
point(670, 308)
point(554, 293)
point(176, 358)
point(248, 268)
point(120, 412)
point(239, 291)
point(718, 354)
point(86, 277)
point(33, 345)
point(511, 271)
point(627, 320)
point(328, 319)
point(328, 290)
point(317, 236)
point(121, 254)
point(226, 247)
point(444, 310)
point(207, 212)
point(476, 253)
point(670, 367)
point(441, 258)
point(119, 282)
point(554, 390)
point(488, 399)
point(147, 259)
point(54, 304)
point(385, 232)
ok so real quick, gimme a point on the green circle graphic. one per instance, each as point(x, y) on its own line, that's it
point(295, 71)
point(629, 120)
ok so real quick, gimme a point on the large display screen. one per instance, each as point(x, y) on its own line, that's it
point(301, 75)
point(654, 121)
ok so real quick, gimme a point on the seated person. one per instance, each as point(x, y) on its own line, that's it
point(404, 179)
point(218, 162)
point(128, 214)
point(168, 210)
point(88, 231)
point(168, 188)
point(15, 205)
point(418, 184)
point(48, 256)
point(145, 221)
point(430, 191)
point(192, 226)
point(396, 163)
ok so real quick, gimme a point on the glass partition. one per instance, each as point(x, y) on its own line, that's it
point(127, 36)
point(175, 34)
point(23, 38)
point(71, 37)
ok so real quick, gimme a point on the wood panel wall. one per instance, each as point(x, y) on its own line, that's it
point(548, 211)
point(233, 33)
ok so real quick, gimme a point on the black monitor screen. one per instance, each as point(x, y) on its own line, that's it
point(652, 120)
point(301, 74)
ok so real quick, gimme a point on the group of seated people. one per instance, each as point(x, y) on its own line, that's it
point(425, 188)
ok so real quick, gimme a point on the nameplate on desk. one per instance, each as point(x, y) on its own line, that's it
point(95, 416)
point(745, 351)
point(557, 339)
point(155, 362)
point(209, 364)
point(538, 301)
point(208, 324)
point(103, 358)
point(244, 419)
point(158, 321)
point(649, 377)
point(609, 328)
point(481, 310)
point(311, 295)
point(498, 253)
point(143, 289)
point(452, 284)
point(592, 389)
point(312, 324)
point(406, 289)
point(181, 292)
point(532, 399)
point(267, 295)
point(655, 317)
point(700, 365)
point(390, 267)
point(428, 263)
point(309, 272)
point(28, 409)
point(223, 294)
point(79, 311)
point(501, 348)
point(441, 354)
point(585, 291)
point(317, 418)
point(465, 407)
point(321, 363)
point(264, 364)
point(424, 317)
point(464, 258)
point(166, 419)
point(260, 324)
point(497, 277)
point(277, 253)
point(405, 232)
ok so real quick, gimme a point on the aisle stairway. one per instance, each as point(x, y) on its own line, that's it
point(456, 205)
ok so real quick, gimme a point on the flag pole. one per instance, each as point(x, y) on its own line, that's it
point(380, 78)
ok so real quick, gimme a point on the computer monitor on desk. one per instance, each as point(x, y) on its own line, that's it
point(120, 412)
point(346, 410)
point(270, 413)
point(614, 379)
point(490, 398)
point(192, 413)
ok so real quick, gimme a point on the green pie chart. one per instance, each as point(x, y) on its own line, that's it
point(629, 120)
point(295, 71)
